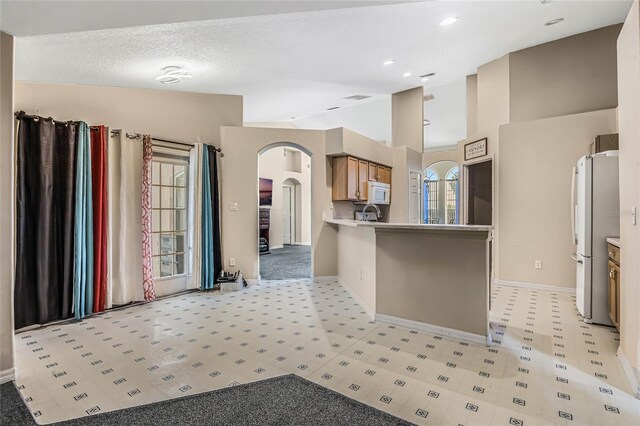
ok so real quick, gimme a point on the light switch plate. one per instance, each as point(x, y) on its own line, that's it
point(232, 261)
point(233, 207)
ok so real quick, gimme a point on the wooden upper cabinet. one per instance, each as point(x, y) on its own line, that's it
point(384, 174)
point(373, 172)
point(363, 180)
point(351, 177)
point(345, 179)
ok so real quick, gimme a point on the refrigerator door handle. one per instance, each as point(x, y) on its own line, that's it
point(573, 206)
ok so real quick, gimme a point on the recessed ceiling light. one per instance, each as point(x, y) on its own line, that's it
point(406, 74)
point(388, 62)
point(554, 21)
point(172, 75)
point(448, 21)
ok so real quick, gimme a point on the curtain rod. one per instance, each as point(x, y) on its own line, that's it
point(137, 135)
point(21, 114)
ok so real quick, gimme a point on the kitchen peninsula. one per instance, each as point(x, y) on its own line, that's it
point(433, 278)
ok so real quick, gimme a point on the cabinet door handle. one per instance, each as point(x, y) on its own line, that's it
point(611, 273)
point(611, 254)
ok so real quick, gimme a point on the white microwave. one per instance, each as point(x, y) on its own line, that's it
point(379, 193)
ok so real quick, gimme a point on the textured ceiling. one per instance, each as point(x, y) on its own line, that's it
point(299, 64)
point(27, 18)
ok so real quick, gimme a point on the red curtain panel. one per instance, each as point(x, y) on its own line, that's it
point(147, 266)
point(99, 184)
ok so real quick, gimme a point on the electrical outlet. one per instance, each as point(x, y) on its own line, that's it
point(232, 261)
point(538, 264)
point(233, 207)
point(331, 206)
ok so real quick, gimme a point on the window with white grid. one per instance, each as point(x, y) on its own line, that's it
point(452, 195)
point(170, 216)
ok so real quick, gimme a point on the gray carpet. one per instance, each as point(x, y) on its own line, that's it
point(285, 263)
point(285, 400)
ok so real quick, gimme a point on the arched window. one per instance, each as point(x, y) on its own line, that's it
point(430, 208)
point(452, 195)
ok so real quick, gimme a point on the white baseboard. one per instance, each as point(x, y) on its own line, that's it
point(436, 329)
point(325, 279)
point(7, 375)
point(253, 281)
point(369, 311)
point(275, 247)
point(629, 373)
point(535, 286)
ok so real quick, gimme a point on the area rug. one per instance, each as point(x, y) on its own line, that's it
point(286, 263)
point(284, 400)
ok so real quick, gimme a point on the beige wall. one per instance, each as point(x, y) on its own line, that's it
point(419, 263)
point(357, 264)
point(273, 165)
point(341, 141)
point(472, 104)
point(7, 206)
point(629, 128)
point(493, 94)
point(405, 160)
point(240, 185)
point(180, 116)
point(407, 115)
point(430, 157)
point(536, 160)
point(567, 76)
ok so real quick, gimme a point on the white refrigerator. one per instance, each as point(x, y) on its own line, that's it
point(595, 205)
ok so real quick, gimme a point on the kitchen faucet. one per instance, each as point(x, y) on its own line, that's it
point(378, 212)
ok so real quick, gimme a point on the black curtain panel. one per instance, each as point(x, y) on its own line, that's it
point(215, 209)
point(46, 152)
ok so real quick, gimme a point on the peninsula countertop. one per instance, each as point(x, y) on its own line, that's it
point(443, 227)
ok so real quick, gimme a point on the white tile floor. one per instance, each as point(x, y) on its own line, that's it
point(545, 366)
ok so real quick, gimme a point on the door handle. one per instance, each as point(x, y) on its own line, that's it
point(574, 256)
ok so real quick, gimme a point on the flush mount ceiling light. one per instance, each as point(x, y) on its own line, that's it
point(449, 21)
point(554, 21)
point(406, 74)
point(426, 77)
point(172, 75)
point(388, 62)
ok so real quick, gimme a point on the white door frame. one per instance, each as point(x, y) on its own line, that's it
point(292, 212)
point(420, 195)
point(464, 187)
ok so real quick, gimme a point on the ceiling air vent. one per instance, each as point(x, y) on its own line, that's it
point(357, 97)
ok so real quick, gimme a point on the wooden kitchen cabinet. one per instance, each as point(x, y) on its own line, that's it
point(363, 180)
point(384, 174)
point(614, 285)
point(373, 172)
point(351, 177)
point(345, 186)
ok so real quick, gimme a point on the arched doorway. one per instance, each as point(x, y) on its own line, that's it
point(284, 173)
point(441, 193)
